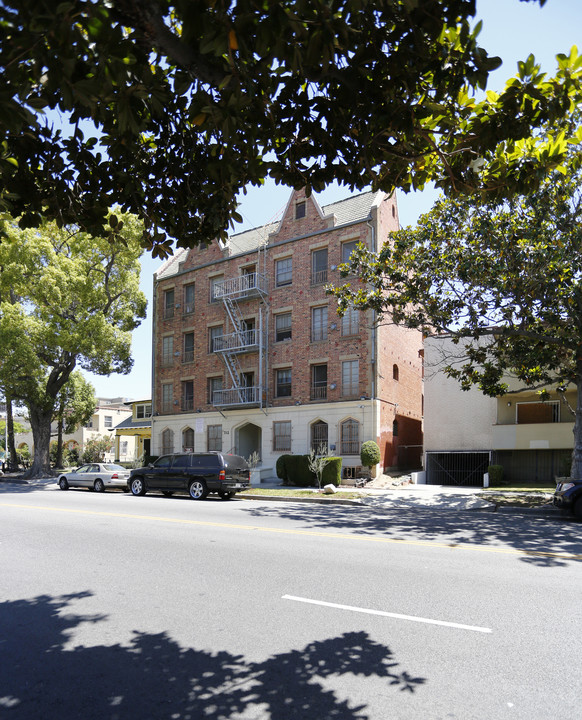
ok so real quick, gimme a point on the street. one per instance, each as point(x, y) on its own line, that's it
point(117, 607)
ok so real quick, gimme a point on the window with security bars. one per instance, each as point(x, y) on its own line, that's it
point(350, 322)
point(283, 382)
point(214, 385)
point(318, 382)
point(214, 335)
point(167, 442)
point(214, 437)
point(167, 350)
point(189, 299)
point(319, 266)
point(188, 349)
point(282, 327)
point(350, 437)
point(318, 435)
point(319, 323)
point(168, 304)
point(187, 395)
point(282, 436)
point(167, 398)
point(188, 440)
point(350, 378)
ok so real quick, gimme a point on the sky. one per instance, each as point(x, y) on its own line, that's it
point(511, 29)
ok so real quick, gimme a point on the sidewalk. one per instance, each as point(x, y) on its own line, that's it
point(421, 497)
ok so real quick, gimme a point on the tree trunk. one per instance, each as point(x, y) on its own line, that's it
point(40, 422)
point(59, 462)
point(576, 471)
point(10, 447)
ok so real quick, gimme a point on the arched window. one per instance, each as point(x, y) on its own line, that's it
point(167, 441)
point(318, 435)
point(395, 372)
point(350, 437)
point(188, 440)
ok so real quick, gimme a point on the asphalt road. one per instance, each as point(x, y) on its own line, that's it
point(115, 607)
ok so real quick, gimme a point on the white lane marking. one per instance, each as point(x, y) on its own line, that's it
point(382, 613)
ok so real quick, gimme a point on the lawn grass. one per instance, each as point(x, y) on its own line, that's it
point(519, 494)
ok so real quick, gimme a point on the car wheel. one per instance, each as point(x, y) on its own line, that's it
point(98, 485)
point(63, 484)
point(167, 493)
point(578, 508)
point(226, 495)
point(138, 486)
point(198, 490)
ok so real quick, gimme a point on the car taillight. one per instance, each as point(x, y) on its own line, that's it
point(114, 476)
point(222, 475)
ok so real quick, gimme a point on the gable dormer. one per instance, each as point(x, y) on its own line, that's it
point(302, 216)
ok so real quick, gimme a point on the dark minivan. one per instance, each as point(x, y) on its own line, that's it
point(194, 473)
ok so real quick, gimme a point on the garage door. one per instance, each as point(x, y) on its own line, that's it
point(456, 468)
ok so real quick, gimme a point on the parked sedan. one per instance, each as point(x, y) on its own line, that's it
point(96, 476)
point(568, 496)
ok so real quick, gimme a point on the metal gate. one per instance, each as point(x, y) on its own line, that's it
point(456, 468)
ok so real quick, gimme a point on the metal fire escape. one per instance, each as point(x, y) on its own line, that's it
point(241, 340)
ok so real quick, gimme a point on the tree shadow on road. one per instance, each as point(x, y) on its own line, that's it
point(153, 677)
point(540, 539)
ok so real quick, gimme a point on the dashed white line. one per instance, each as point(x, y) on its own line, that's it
point(382, 613)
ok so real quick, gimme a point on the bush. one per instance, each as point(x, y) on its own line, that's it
point(370, 453)
point(281, 468)
point(298, 472)
point(495, 474)
point(332, 472)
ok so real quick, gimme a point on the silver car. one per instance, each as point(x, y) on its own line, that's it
point(96, 476)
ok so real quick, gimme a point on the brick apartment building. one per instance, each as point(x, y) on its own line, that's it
point(251, 356)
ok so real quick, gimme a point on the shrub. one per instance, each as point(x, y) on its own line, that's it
point(370, 453)
point(332, 472)
point(95, 448)
point(281, 468)
point(298, 472)
point(495, 474)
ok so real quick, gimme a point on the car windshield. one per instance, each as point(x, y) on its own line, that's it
point(114, 468)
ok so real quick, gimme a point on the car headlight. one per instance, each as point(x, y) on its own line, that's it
point(565, 486)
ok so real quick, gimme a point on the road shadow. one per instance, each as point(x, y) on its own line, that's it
point(154, 677)
point(540, 539)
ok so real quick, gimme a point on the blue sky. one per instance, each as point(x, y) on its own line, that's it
point(511, 29)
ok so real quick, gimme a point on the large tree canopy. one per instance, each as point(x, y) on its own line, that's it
point(174, 106)
point(67, 299)
point(504, 280)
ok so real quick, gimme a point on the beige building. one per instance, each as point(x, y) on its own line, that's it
point(250, 355)
point(466, 431)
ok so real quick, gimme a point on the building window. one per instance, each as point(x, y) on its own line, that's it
point(300, 210)
point(395, 428)
point(188, 395)
point(123, 445)
point(347, 249)
point(188, 440)
point(214, 386)
point(395, 372)
point(214, 437)
point(319, 323)
point(216, 288)
point(108, 421)
point(318, 382)
point(167, 442)
point(350, 437)
point(319, 266)
point(188, 348)
point(538, 412)
point(282, 436)
point(282, 327)
point(214, 338)
point(143, 411)
point(247, 384)
point(283, 272)
point(318, 435)
point(168, 304)
point(350, 378)
point(249, 332)
point(167, 397)
point(350, 321)
point(167, 350)
point(283, 382)
point(189, 299)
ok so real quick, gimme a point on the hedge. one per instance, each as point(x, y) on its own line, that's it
point(294, 470)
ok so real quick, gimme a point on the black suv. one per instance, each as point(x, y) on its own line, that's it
point(568, 496)
point(195, 473)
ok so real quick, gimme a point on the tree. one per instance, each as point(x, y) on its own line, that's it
point(75, 406)
point(504, 280)
point(370, 454)
point(94, 449)
point(171, 108)
point(67, 299)
point(317, 460)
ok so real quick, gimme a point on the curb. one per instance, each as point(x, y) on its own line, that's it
point(314, 500)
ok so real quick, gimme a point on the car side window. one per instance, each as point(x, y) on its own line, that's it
point(164, 462)
point(181, 461)
point(83, 469)
point(198, 460)
point(94, 468)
